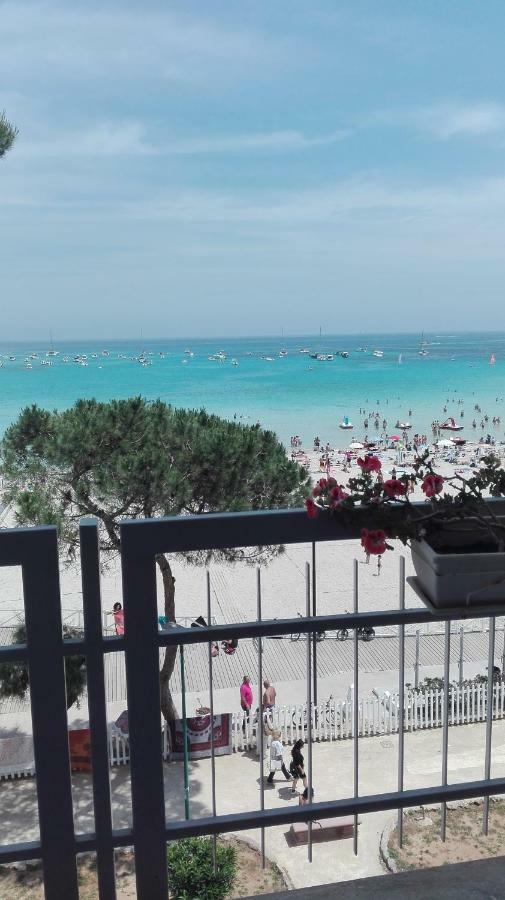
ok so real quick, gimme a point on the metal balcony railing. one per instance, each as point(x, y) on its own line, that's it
point(35, 550)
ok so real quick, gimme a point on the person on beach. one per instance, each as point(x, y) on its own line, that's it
point(246, 698)
point(297, 765)
point(269, 695)
point(118, 613)
point(276, 758)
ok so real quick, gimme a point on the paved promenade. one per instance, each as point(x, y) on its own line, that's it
point(238, 786)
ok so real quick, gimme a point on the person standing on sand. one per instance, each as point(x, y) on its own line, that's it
point(269, 695)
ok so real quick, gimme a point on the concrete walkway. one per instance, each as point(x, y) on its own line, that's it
point(238, 789)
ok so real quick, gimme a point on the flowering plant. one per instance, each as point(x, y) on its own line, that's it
point(384, 510)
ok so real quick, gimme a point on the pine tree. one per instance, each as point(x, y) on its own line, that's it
point(138, 459)
point(8, 134)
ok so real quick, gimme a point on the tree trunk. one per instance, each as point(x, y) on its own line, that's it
point(167, 704)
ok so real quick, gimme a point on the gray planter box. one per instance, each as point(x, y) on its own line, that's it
point(459, 579)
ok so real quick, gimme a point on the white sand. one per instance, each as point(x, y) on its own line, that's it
point(234, 587)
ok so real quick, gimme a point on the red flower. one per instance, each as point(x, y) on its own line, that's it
point(337, 494)
point(311, 508)
point(369, 463)
point(432, 484)
point(373, 542)
point(394, 488)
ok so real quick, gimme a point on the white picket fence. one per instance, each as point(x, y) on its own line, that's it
point(333, 720)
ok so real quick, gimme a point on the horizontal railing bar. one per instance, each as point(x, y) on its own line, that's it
point(365, 804)
point(302, 625)
point(218, 531)
point(268, 627)
point(208, 825)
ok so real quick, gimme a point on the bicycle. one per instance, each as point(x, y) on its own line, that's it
point(320, 635)
point(365, 633)
point(328, 714)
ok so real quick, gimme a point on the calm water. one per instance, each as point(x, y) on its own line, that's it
point(292, 394)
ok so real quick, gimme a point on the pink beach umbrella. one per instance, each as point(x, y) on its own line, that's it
point(394, 437)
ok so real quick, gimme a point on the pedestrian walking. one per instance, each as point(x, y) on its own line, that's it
point(246, 698)
point(276, 758)
point(269, 695)
point(297, 765)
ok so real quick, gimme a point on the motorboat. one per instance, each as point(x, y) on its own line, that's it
point(378, 353)
point(303, 350)
point(450, 425)
point(346, 424)
point(343, 353)
point(234, 362)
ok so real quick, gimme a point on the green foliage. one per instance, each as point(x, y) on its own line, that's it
point(8, 134)
point(14, 680)
point(134, 458)
point(191, 873)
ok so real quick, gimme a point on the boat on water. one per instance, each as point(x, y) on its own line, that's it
point(283, 352)
point(234, 362)
point(346, 424)
point(344, 354)
point(189, 353)
point(400, 360)
point(303, 350)
point(450, 425)
point(423, 351)
point(378, 354)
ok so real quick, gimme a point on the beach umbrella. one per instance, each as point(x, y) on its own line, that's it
point(356, 446)
point(394, 437)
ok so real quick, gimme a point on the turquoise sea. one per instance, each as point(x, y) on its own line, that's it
point(291, 394)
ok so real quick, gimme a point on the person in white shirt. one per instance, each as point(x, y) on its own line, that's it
point(276, 760)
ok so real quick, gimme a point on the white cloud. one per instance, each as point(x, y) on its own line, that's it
point(129, 139)
point(104, 139)
point(448, 120)
point(59, 41)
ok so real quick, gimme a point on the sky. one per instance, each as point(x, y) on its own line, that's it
point(223, 168)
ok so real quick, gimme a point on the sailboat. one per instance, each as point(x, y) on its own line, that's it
point(492, 359)
point(52, 351)
point(400, 360)
point(422, 346)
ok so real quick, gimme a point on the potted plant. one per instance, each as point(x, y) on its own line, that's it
point(457, 541)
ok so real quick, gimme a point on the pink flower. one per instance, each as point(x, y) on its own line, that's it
point(337, 494)
point(373, 542)
point(394, 488)
point(369, 463)
point(311, 508)
point(432, 484)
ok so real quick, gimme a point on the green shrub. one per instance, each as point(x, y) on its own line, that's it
point(191, 873)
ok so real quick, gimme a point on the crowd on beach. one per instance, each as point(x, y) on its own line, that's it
point(452, 452)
